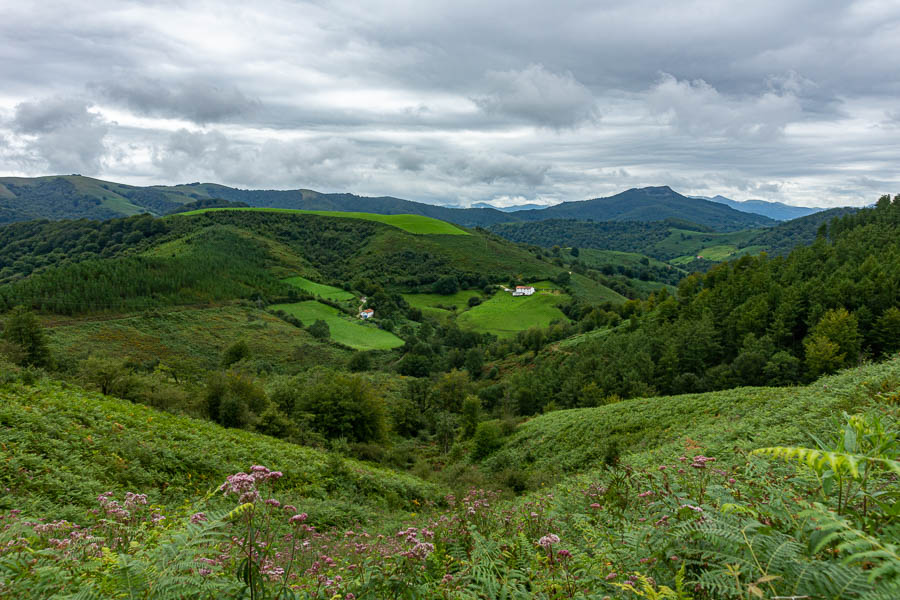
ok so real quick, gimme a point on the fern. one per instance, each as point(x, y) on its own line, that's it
point(836, 461)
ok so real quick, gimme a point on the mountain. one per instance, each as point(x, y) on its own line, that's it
point(650, 204)
point(514, 208)
point(74, 197)
point(774, 210)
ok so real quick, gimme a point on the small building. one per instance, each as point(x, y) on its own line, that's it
point(523, 290)
point(366, 314)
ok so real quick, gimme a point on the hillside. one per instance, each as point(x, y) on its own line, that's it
point(54, 433)
point(725, 424)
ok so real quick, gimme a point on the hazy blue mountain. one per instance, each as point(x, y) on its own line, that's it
point(774, 210)
point(514, 208)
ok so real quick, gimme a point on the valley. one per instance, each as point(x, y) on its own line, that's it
point(170, 358)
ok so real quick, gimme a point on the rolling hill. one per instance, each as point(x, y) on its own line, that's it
point(74, 196)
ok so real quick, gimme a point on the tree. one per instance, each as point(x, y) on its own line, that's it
point(234, 353)
point(360, 361)
point(841, 328)
point(446, 285)
point(887, 331)
point(339, 405)
point(474, 362)
point(574, 251)
point(471, 413)
point(319, 329)
point(822, 355)
point(23, 329)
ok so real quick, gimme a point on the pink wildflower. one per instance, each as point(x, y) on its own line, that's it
point(548, 540)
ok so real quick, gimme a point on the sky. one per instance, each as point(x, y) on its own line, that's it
point(459, 102)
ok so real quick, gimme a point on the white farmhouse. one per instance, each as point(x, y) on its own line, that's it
point(366, 314)
point(523, 290)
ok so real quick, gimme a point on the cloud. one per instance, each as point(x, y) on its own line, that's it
point(409, 159)
point(197, 101)
point(497, 168)
point(62, 133)
point(698, 109)
point(538, 96)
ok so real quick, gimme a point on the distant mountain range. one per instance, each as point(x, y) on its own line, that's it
point(74, 196)
point(774, 210)
point(514, 208)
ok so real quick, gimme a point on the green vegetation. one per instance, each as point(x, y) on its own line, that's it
point(343, 328)
point(190, 341)
point(416, 224)
point(54, 434)
point(319, 289)
point(424, 301)
point(504, 315)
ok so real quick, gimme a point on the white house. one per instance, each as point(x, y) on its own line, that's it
point(523, 290)
point(366, 314)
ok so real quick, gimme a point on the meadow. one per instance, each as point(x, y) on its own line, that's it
point(505, 315)
point(319, 289)
point(343, 328)
point(416, 224)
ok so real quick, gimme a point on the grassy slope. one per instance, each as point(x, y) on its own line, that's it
point(192, 339)
point(64, 446)
point(424, 301)
point(343, 330)
point(416, 224)
point(320, 289)
point(718, 424)
point(720, 245)
point(505, 315)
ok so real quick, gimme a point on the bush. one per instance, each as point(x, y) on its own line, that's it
point(235, 352)
point(319, 330)
point(474, 301)
point(488, 438)
point(360, 361)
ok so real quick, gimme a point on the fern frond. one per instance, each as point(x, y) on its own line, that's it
point(836, 461)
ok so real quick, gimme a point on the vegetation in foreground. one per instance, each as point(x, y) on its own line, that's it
point(817, 521)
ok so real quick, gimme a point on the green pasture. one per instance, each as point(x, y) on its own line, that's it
point(505, 315)
point(425, 301)
point(344, 329)
point(319, 289)
point(417, 224)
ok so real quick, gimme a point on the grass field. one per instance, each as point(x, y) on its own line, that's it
point(191, 339)
point(683, 243)
point(417, 224)
point(343, 328)
point(319, 289)
point(424, 301)
point(505, 315)
point(597, 258)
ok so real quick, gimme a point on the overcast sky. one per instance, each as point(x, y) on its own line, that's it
point(463, 101)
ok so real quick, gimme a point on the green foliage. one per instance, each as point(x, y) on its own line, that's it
point(488, 437)
point(345, 406)
point(23, 330)
point(446, 286)
point(235, 352)
point(319, 329)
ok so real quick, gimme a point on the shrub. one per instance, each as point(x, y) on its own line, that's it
point(339, 405)
point(235, 352)
point(319, 329)
point(23, 329)
point(488, 438)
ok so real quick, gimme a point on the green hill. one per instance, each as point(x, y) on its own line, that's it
point(63, 447)
point(231, 254)
point(725, 424)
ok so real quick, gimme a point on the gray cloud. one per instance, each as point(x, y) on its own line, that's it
point(539, 96)
point(63, 133)
point(460, 102)
point(196, 101)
